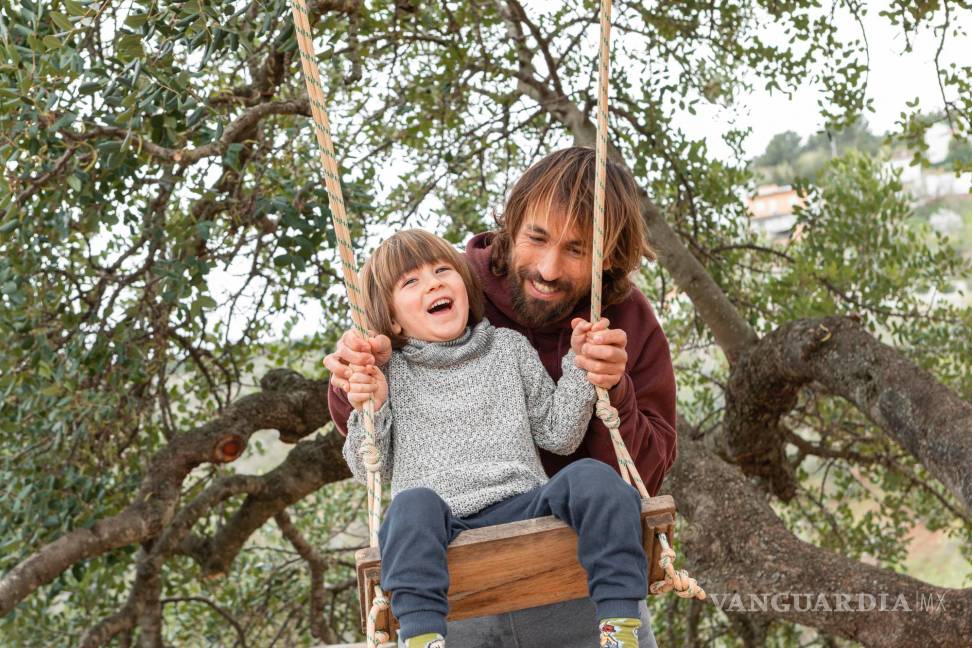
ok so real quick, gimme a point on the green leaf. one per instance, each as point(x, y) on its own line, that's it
point(207, 302)
point(89, 87)
point(74, 8)
point(130, 46)
point(62, 21)
point(136, 20)
point(51, 42)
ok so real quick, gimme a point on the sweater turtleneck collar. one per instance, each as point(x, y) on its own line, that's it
point(471, 344)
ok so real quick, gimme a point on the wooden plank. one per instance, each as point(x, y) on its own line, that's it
point(518, 565)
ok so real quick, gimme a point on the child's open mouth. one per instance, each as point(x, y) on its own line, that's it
point(443, 305)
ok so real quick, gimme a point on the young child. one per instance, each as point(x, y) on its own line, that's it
point(459, 410)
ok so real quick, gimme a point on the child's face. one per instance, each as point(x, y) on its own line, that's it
point(430, 303)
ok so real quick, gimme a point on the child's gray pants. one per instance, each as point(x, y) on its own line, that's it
point(588, 495)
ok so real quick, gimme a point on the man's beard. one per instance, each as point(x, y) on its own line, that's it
point(538, 312)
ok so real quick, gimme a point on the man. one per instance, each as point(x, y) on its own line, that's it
point(536, 275)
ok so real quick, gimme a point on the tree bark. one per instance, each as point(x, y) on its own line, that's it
point(926, 418)
point(736, 544)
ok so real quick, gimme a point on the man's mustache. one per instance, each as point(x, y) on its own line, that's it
point(557, 284)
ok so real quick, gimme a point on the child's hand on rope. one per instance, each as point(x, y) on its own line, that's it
point(353, 350)
point(366, 381)
point(579, 335)
point(602, 351)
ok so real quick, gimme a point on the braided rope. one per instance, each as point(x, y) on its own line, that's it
point(377, 638)
point(678, 581)
point(605, 411)
point(332, 181)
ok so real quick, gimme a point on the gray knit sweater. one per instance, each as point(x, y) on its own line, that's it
point(464, 418)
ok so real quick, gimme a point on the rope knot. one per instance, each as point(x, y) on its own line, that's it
point(380, 602)
point(608, 413)
point(369, 456)
point(677, 581)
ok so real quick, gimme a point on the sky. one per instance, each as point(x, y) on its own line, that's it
point(895, 78)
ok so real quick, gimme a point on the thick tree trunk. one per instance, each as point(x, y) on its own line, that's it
point(746, 558)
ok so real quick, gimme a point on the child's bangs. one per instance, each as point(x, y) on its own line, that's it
point(409, 250)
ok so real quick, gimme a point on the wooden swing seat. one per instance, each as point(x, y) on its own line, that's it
point(515, 566)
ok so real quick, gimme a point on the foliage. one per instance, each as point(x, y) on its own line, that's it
point(788, 159)
point(164, 240)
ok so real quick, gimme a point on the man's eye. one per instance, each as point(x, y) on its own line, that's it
point(536, 239)
point(577, 252)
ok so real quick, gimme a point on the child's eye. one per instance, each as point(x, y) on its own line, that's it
point(408, 281)
point(443, 269)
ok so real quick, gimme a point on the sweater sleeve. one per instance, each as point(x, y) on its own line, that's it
point(384, 427)
point(339, 407)
point(645, 400)
point(559, 413)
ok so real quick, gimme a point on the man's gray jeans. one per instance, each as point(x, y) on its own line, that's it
point(562, 625)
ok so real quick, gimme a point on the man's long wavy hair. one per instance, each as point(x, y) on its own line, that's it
point(564, 180)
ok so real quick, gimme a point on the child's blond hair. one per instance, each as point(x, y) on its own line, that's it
point(401, 253)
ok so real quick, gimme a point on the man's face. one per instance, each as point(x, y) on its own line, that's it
point(550, 269)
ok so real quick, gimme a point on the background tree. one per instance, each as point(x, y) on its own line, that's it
point(165, 235)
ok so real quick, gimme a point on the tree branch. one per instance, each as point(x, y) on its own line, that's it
point(289, 403)
point(216, 608)
point(147, 586)
point(310, 465)
point(235, 131)
point(319, 629)
point(738, 545)
point(926, 418)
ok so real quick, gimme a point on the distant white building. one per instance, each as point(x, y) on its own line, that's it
point(945, 221)
point(771, 209)
point(924, 184)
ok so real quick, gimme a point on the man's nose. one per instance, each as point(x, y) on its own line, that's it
point(549, 265)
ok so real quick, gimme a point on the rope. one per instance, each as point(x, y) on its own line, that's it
point(349, 267)
point(332, 181)
point(678, 581)
point(605, 411)
point(377, 638)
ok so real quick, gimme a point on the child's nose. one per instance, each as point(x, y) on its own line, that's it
point(433, 282)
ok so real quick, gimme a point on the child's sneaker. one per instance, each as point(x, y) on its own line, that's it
point(427, 640)
point(619, 633)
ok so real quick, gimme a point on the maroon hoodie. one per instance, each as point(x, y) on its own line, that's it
point(645, 397)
